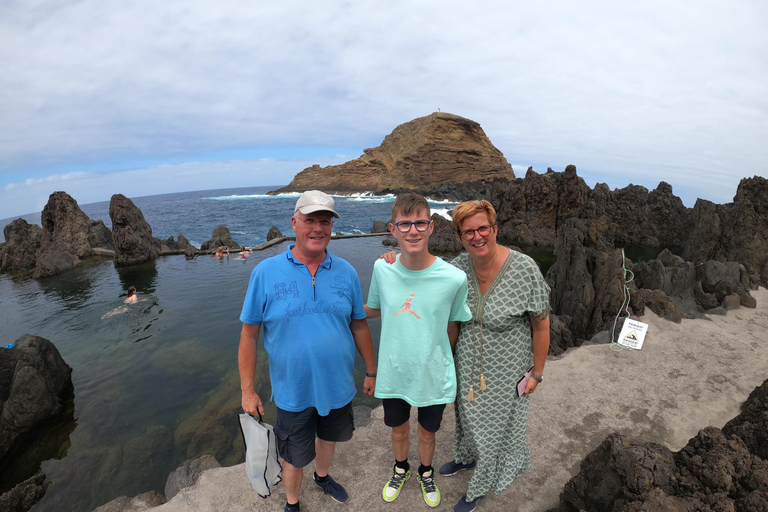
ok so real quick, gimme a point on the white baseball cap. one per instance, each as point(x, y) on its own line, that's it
point(315, 201)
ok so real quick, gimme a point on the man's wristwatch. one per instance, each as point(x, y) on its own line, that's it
point(537, 379)
point(369, 374)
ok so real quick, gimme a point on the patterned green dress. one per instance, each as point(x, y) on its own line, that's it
point(491, 428)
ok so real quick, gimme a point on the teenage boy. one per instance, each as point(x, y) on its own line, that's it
point(421, 299)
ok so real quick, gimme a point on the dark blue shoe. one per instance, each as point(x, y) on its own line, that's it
point(292, 508)
point(453, 467)
point(333, 489)
point(467, 506)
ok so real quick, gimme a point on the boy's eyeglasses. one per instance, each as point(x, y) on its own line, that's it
point(404, 226)
point(469, 234)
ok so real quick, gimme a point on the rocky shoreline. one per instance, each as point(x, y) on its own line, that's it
point(603, 433)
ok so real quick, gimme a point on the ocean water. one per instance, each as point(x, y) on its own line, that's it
point(157, 383)
point(248, 213)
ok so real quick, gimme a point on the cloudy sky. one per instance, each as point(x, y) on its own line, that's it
point(142, 97)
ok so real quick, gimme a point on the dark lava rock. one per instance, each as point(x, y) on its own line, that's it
point(131, 234)
point(380, 227)
point(274, 233)
point(560, 336)
point(617, 471)
point(171, 246)
point(443, 239)
point(187, 474)
point(587, 283)
point(658, 302)
point(220, 238)
point(716, 471)
point(100, 236)
point(34, 382)
point(22, 241)
point(751, 425)
point(65, 238)
point(24, 495)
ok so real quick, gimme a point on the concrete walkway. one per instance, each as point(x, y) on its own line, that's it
point(686, 377)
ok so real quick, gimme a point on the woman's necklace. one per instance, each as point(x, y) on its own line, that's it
point(490, 270)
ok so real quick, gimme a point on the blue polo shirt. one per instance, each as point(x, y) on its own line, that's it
point(306, 329)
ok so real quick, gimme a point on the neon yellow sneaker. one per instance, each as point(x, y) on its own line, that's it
point(428, 487)
point(392, 489)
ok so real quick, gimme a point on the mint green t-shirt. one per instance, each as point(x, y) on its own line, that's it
point(415, 359)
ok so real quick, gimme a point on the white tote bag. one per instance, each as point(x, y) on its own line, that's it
point(261, 463)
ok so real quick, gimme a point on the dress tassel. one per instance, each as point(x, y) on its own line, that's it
point(482, 382)
point(471, 395)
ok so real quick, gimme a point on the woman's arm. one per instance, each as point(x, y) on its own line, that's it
point(540, 328)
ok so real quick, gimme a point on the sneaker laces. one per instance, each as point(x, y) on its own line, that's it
point(428, 482)
point(397, 478)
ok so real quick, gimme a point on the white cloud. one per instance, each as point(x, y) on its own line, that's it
point(629, 91)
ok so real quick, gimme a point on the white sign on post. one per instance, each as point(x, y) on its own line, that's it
point(632, 334)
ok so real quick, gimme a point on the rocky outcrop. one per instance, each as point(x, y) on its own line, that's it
point(25, 494)
point(220, 238)
point(35, 403)
point(22, 243)
point(736, 231)
point(68, 236)
point(131, 234)
point(179, 246)
point(532, 209)
point(716, 470)
point(187, 474)
point(423, 153)
point(380, 227)
point(273, 233)
point(443, 238)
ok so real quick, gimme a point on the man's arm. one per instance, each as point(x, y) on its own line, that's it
point(246, 361)
point(540, 328)
point(453, 334)
point(372, 313)
point(362, 336)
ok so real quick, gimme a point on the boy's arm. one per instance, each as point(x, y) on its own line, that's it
point(362, 336)
point(453, 334)
point(372, 313)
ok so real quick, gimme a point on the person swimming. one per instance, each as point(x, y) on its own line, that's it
point(132, 295)
point(132, 298)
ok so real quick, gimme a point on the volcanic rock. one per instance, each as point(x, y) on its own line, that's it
point(716, 470)
point(34, 382)
point(751, 425)
point(429, 151)
point(443, 239)
point(22, 243)
point(25, 494)
point(171, 246)
point(273, 233)
point(65, 238)
point(380, 227)
point(131, 234)
point(187, 474)
point(587, 284)
point(745, 239)
point(220, 238)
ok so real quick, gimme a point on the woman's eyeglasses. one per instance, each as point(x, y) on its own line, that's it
point(469, 234)
point(404, 226)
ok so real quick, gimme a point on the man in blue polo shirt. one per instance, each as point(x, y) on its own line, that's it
point(309, 304)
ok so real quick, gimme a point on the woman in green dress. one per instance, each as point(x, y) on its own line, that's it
point(508, 334)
